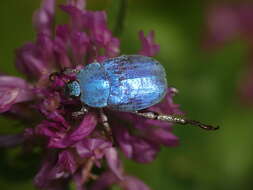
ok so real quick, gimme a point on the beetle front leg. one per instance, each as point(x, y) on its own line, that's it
point(69, 71)
point(107, 129)
point(175, 119)
point(81, 112)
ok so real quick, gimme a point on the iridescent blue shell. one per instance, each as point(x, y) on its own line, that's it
point(125, 83)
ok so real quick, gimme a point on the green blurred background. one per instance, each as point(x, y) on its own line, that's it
point(207, 82)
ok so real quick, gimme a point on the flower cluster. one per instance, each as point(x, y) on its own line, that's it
point(226, 22)
point(74, 147)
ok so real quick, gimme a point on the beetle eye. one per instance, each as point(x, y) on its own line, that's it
point(73, 89)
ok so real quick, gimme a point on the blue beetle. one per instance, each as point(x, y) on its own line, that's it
point(125, 83)
point(128, 83)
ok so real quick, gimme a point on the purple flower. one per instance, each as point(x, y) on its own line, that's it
point(225, 23)
point(72, 147)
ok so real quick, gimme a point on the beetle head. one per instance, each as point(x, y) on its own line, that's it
point(72, 89)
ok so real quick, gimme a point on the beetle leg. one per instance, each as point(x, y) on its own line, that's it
point(81, 112)
point(174, 90)
point(175, 119)
point(65, 71)
point(68, 71)
point(107, 129)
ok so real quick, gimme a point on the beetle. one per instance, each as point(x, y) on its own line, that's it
point(128, 83)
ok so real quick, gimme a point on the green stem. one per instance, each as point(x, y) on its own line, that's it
point(121, 14)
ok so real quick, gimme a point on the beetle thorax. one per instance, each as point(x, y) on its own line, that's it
point(94, 86)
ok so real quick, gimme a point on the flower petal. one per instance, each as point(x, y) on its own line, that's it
point(13, 90)
point(28, 62)
point(80, 43)
point(50, 176)
point(43, 17)
point(113, 47)
point(44, 48)
point(84, 129)
point(57, 117)
point(149, 47)
point(114, 162)
point(124, 140)
point(144, 151)
point(106, 180)
point(133, 183)
point(67, 161)
point(80, 4)
point(161, 136)
point(61, 46)
point(135, 147)
point(92, 147)
point(76, 16)
point(58, 134)
point(97, 24)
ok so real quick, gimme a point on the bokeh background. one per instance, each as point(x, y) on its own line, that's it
point(208, 78)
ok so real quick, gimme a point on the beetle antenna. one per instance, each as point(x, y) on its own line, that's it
point(176, 119)
point(201, 125)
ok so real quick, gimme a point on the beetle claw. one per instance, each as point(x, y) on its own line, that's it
point(203, 126)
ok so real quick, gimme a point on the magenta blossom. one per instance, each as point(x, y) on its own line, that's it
point(73, 147)
point(226, 22)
